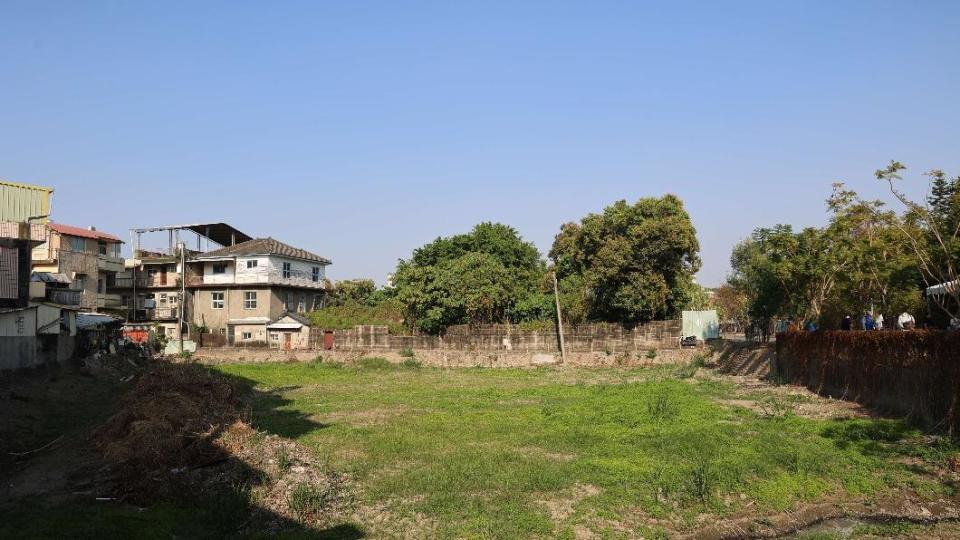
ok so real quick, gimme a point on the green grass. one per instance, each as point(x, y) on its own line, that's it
point(520, 453)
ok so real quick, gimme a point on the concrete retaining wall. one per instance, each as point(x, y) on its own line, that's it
point(448, 358)
point(587, 338)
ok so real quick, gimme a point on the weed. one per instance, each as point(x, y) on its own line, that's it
point(283, 460)
point(306, 499)
point(410, 363)
point(775, 407)
point(662, 406)
point(406, 352)
point(698, 360)
point(185, 355)
point(651, 354)
point(685, 371)
point(607, 350)
point(701, 481)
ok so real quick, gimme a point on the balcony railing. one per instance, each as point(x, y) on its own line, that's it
point(109, 300)
point(292, 278)
point(159, 280)
point(24, 231)
point(64, 297)
point(159, 314)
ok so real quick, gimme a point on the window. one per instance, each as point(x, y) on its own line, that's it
point(302, 306)
point(163, 298)
point(103, 249)
point(274, 336)
point(216, 300)
point(78, 244)
point(79, 281)
point(317, 301)
point(246, 335)
point(252, 264)
point(289, 303)
point(316, 273)
point(249, 299)
point(219, 268)
point(286, 270)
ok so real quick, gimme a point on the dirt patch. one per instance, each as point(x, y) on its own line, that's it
point(908, 508)
point(563, 505)
point(768, 399)
point(547, 454)
point(365, 417)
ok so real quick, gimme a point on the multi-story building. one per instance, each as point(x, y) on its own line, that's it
point(240, 289)
point(150, 286)
point(89, 258)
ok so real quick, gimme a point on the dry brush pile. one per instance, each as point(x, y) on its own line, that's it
point(184, 431)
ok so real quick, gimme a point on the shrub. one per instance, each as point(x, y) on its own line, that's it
point(349, 315)
point(410, 363)
point(375, 362)
point(685, 371)
point(651, 354)
point(406, 352)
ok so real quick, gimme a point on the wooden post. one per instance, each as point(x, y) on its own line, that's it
point(556, 298)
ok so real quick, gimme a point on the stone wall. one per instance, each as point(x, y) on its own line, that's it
point(587, 338)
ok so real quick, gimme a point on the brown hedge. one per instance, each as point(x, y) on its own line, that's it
point(914, 373)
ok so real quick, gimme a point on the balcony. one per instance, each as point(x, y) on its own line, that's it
point(107, 263)
point(109, 301)
point(264, 277)
point(158, 314)
point(64, 297)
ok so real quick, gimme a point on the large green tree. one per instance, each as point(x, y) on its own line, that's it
point(630, 263)
point(489, 275)
point(861, 260)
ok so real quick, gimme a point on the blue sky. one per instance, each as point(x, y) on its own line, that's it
point(361, 130)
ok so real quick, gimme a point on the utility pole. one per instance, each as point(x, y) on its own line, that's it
point(183, 292)
point(556, 298)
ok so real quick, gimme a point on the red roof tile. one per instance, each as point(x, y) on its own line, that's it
point(83, 233)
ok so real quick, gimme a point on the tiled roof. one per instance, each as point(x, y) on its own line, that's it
point(83, 233)
point(264, 246)
point(89, 320)
point(295, 316)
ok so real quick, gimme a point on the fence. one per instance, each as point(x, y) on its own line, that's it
point(916, 373)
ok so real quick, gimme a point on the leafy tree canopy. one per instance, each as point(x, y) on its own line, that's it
point(629, 264)
point(489, 275)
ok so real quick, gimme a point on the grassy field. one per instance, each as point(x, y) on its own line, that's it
point(564, 453)
point(497, 453)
